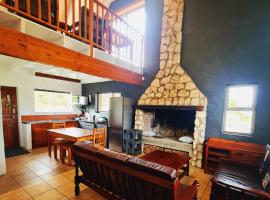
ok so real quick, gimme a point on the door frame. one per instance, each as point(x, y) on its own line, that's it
point(18, 119)
point(2, 143)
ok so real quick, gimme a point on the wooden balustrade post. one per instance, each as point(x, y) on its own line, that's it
point(39, 9)
point(28, 6)
point(80, 20)
point(66, 27)
point(57, 13)
point(97, 24)
point(90, 24)
point(49, 12)
point(102, 29)
point(16, 4)
point(73, 17)
point(85, 19)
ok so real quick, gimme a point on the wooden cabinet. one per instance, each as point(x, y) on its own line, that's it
point(39, 132)
point(70, 124)
point(242, 152)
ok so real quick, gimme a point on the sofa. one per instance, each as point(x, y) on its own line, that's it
point(238, 181)
point(119, 176)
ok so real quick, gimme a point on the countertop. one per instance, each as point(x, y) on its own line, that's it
point(49, 121)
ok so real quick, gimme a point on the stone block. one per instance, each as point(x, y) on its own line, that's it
point(161, 89)
point(164, 81)
point(156, 83)
point(169, 86)
point(160, 74)
point(195, 93)
point(163, 56)
point(161, 101)
point(185, 78)
point(162, 64)
point(179, 86)
point(173, 93)
point(190, 86)
point(195, 101)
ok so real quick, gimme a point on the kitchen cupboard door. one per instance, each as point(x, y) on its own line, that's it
point(40, 135)
point(70, 124)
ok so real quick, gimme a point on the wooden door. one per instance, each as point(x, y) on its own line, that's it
point(10, 116)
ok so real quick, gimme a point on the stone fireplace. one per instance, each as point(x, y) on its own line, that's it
point(173, 90)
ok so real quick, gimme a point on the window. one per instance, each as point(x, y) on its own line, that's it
point(103, 101)
point(135, 18)
point(239, 111)
point(52, 101)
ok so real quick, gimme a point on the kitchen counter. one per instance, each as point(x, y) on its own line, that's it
point(49, 121)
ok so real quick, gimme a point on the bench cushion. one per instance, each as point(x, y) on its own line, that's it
point(154, 169)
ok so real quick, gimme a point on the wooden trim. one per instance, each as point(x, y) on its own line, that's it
point(33, 118)
point(130, 7)
point(23, 46)
point(160, 107)
point(57, 77)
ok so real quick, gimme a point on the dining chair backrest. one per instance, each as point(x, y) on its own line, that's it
point(57, 125)
point(99, 136)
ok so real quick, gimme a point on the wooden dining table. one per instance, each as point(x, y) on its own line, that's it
point(71, 134)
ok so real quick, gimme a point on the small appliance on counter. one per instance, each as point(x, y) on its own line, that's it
point(81, 100)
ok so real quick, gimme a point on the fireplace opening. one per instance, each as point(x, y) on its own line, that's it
point(169, 123)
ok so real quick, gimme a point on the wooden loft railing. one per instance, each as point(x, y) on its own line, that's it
point(86, 20)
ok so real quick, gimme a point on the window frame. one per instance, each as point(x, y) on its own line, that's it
point(97, 99)
point(252, 109)
point(54, 110)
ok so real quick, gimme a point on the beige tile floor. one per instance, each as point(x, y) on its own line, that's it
point(37, 176)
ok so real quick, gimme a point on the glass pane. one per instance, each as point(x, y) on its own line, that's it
point(238, 121)
point(116, 94)
point(241, 97)
point(62, 102)
point(43, 101)
point(104, 101)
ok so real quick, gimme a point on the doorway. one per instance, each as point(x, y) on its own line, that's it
point(10, 117)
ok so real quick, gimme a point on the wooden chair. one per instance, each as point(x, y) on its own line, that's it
point(65, 150)
point(57, 142)
point(99, 137)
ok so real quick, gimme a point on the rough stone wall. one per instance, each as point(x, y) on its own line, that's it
point(172, 85)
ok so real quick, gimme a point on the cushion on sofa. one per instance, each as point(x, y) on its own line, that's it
point(266, 182)
point(113, 156)
point(153, 169)
point(266, 162)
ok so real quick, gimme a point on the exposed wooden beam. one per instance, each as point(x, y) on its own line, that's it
point(134, 5)
point(23, 46)
point(57, 77)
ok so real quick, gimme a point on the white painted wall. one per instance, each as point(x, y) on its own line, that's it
point(2, 150)
point(25, 81)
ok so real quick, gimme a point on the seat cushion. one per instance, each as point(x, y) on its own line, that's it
point(238, 175)
point(151, 168)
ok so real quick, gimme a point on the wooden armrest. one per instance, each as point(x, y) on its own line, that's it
point(189, 188)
